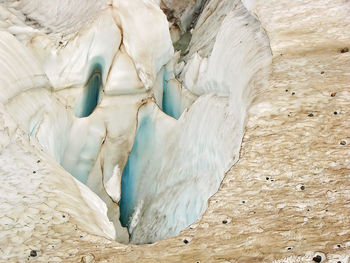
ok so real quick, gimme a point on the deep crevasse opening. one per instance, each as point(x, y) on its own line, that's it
point(144, 140)
point(91, 96)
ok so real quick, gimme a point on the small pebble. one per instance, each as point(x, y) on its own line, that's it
point(317, 258)
point(33, 253)
point(343, 143)
point(34, 172)
point(224, 221)
point(335, 113)
point(322, 72)
point(293, 93)
point(311, 115)
point(333, 94)
point(302, 187)
point(344, 50)
point(185, 241)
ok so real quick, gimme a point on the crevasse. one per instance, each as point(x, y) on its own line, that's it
point(151, 133)
point(91, 95)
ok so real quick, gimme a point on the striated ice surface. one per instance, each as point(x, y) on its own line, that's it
point(97, 89)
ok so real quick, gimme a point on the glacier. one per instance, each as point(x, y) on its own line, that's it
point(147, 131)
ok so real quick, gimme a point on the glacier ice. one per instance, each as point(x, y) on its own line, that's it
point(150, 132)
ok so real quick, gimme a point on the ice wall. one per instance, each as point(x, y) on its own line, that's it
point(25, 96)
point(175, 166)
